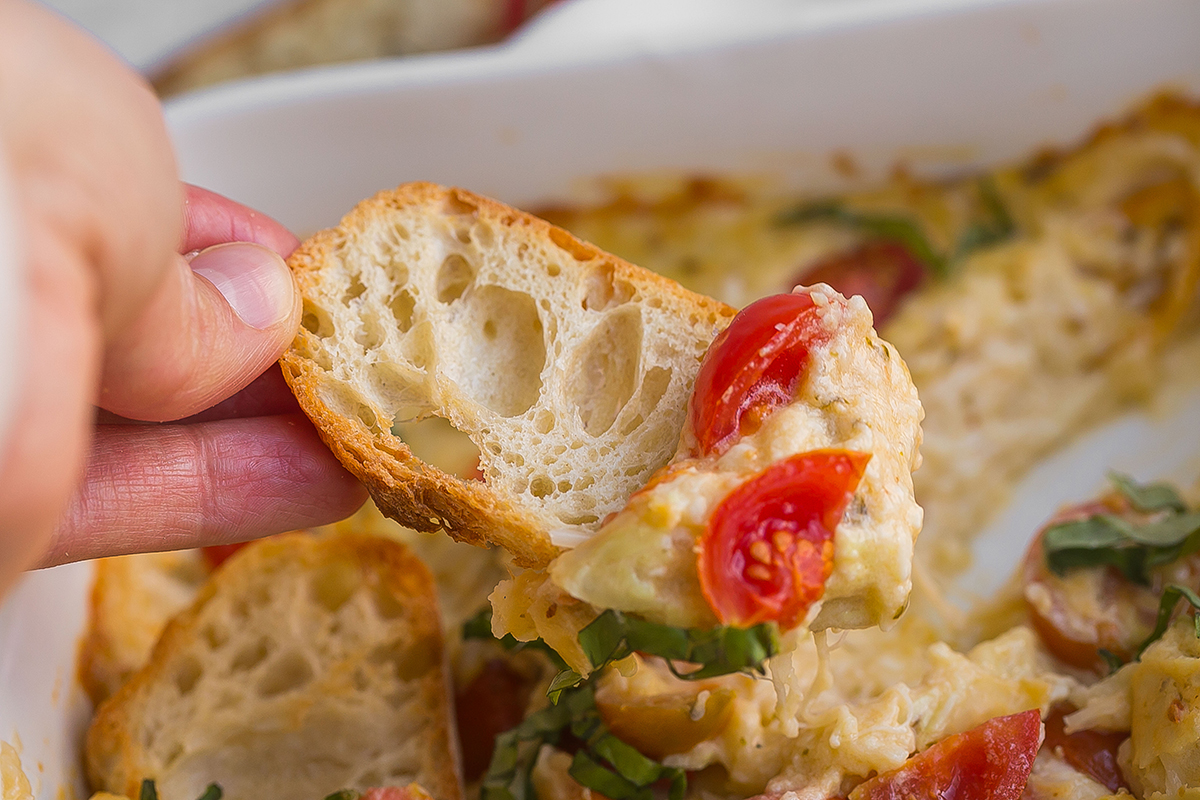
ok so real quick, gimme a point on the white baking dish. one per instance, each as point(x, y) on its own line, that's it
point(597, 87)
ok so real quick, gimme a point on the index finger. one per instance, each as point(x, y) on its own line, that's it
point(210, 218)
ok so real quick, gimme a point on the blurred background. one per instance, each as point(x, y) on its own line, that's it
point(189, 44)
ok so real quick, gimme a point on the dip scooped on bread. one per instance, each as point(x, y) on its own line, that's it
point(790, 497)
point(781, 492)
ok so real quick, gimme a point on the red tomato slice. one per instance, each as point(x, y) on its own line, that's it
point(990, 762)
point(752, 368)
point(1093, 753)
point(883, 272)
point(768, 547)
point(217, 554)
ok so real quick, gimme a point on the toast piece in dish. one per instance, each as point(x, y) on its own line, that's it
point(306, 665)
point(133, 598)
point(568, 368)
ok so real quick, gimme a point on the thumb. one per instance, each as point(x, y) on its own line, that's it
point(214, 324)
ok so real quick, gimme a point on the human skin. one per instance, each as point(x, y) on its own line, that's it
point(119, 327)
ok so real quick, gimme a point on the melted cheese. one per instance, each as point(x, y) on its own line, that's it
point(851, 727)
point(1164, 743)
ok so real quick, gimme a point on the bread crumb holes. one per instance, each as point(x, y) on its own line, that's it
point(453, 278)
point(187, 674)
point(289, 672)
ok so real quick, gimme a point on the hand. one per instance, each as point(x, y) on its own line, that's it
point(118, 319)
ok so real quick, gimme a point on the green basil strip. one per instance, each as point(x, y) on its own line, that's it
point(885, 226)
point(1171, 531)
point(720, 650)
point(1166, 608)
point(343, 794)
point(726, 649)
point(509, 773)
point(627, 761)
point(479, 626)
point(148, 791)
point(1092, 533)
point(1102, 540)
point(1147, 497)
point(635, 771)
point(604, 764)
point(589, 773)
point(564, 680)
point(213, 792)
point(602, 638)
point(665, 641)
point(997, 227)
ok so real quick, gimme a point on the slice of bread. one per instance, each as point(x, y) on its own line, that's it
point(306, 665)
point(133, 598)
point(569, 368)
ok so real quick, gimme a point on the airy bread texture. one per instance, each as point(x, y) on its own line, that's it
point(569, 368)
point(133, 598)
point(306, 665)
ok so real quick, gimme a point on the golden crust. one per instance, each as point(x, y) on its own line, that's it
point(133, 597)
point(120, 743)
point(406, 489)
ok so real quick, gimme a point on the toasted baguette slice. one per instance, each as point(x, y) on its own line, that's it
point(569, 368)
point(306, 665)
point(133, 598)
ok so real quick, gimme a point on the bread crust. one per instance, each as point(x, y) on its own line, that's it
point(415, 493)
point(121, 747)
point(133, 597)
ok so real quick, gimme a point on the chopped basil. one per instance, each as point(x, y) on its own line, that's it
point(1101, 540)
point(902, 229)
point(149, 791)
point(1149, 497)
point(1131, 548)
point(344, 794)
point(1166, 608)
point(509, 775)
point(613, 636)
point(720, 650)
point(603, 763)
point(995, 227)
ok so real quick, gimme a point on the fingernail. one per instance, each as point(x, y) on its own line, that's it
point(253, 279)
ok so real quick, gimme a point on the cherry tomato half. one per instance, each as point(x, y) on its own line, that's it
point(881, 271)
point(990, 762)
point(752, 368)
point(768, 547)
point(1093, 753)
